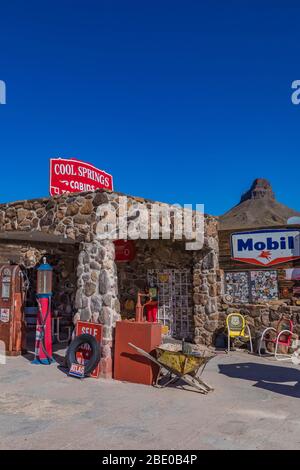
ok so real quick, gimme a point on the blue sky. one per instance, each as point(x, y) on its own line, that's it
point(182, 101)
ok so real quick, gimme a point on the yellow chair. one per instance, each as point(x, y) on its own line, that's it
point(237, 328)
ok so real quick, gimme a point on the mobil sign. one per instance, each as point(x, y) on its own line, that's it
point(73, 176)
point(265, 247)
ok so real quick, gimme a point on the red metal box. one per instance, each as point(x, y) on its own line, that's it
point(129, 365)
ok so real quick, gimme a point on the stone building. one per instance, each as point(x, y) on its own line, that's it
point(88, 282)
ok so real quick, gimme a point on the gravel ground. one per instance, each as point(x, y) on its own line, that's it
point(254, 406)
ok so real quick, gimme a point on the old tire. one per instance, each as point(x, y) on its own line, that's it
point(75, 346)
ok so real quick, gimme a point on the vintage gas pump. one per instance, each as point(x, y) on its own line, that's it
point(12, 324)
point(43, 342)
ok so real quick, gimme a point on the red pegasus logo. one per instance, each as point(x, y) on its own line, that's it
point(265, 255)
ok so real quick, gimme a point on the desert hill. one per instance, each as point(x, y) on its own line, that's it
point(258, 207)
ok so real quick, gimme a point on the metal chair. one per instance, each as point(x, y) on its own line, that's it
point(237, 328)
point(283, 336)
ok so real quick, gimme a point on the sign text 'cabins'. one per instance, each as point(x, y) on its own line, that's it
point(265, 247)
point(73, 176)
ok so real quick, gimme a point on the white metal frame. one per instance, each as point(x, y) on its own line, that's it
point(175, 300)
point(278, 357)
point(249, 334)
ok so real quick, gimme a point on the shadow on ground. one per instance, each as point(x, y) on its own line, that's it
point(58, 352)
point(268, 377)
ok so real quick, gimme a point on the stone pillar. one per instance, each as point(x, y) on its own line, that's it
point(207, 290)
point(97, 293)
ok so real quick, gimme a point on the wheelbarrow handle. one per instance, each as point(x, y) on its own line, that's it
point(145, 354)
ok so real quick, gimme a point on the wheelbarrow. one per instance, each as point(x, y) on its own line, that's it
point(179, 366)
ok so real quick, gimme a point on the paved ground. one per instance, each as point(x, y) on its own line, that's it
point(255, 405)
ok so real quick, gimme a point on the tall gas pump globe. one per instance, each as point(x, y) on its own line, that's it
point(44, 280)
point(43, 342)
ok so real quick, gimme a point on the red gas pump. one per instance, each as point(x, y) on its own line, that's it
point(12, 296)
point(43, 341)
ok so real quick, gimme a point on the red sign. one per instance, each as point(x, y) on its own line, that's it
point(125, 250)
point(77, 370)
point(84, 353)
point(73, 176)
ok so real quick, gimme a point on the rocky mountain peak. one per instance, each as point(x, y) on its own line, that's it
point(260, 189)
point(257, 208)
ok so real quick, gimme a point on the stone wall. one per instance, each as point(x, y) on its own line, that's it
point(75, 217)
point(261, 316)
point(97, 293)
point(69, 217)
point(207, 286)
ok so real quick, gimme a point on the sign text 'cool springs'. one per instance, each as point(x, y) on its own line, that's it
point(73, 176)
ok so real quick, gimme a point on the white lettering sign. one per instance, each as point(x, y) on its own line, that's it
point(266, 247)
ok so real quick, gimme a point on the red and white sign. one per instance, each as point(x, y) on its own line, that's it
point(84, 353)
point(4, 315)
point(77, 370)
point(73, 176)
point(266, 247)
point(125, 250)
